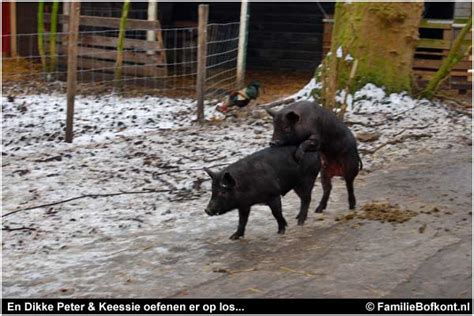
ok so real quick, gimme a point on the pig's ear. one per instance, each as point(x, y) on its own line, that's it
point(271, 112)
point(228, 181)
point(210, 173)
point(292, 117)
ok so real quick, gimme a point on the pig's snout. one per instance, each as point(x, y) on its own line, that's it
point(211, 212)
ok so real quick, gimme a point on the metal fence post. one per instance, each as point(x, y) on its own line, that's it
point(72, 67)
point(201, 60)
point(242, 52)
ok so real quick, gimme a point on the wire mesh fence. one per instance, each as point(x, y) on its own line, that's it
point(222, 53)
point(166, 65)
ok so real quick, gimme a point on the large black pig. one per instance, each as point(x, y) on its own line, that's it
point(262, 178)
point(314, 128)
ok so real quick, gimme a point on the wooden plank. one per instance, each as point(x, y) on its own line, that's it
point(426, 74)
point(431, 24)
point(132, 24)
point(433, 43)
point(112, 42)
point(109, 66)
point(436, 64)
point(420, 52)
point(107, 41)
point(459, 73)
point(136, 57)
point(426, 63)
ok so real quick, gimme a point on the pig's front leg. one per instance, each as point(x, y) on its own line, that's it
point(311, 144)
point(243, 218)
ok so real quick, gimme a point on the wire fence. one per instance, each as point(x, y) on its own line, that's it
point(161, 61)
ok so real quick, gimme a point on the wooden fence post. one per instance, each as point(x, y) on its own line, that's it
point(201, 60)
point(242, 52)
point(13, 47)
point(74, 16)
point(66, 11)
point(152, 16)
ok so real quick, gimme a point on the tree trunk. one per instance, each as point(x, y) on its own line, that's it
point(120, 42)
point(40, 25)
point(382, 37)
point(53, 36)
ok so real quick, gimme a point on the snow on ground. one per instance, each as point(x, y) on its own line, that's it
point(133, 144)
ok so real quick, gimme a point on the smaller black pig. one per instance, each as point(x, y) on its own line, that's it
point(262, 178)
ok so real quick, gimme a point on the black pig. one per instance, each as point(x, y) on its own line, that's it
point(314, 128)
point(262, 178)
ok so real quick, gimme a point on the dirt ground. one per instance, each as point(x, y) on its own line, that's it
point(409, 237)
point(426, 256)
point(276, 85)
point(429, 255)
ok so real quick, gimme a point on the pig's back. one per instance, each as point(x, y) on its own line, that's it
point(275, 169)
point(336, 137)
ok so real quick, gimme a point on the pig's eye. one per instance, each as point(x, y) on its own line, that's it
point(287, 129)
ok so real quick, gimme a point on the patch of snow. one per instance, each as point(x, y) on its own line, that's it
point(131, 144)
point(305, 93)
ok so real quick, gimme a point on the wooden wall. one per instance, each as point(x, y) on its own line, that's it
point(285, 36)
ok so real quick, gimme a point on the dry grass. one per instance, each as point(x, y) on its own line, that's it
point(18, 70)
point(278, 84)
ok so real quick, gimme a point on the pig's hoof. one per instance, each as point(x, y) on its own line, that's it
point(281, 231)
point(319, 209)
point(235, 236)
point(301, 222)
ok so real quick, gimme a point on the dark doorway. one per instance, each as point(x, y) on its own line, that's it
point(439, 10)
point(286, 36)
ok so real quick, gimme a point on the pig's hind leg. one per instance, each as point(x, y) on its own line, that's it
point(275, 206)
point(327, 186)
point(243, 218)
point(350, 192)
point(350, 173)
point(350, 189)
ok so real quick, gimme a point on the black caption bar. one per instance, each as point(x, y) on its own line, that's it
point(236, 306)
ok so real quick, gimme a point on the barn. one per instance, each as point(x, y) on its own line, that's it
point(281, 36)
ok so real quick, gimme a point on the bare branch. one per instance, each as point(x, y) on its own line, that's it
point(277, 103)
point(394, 141)
point(93, 196)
